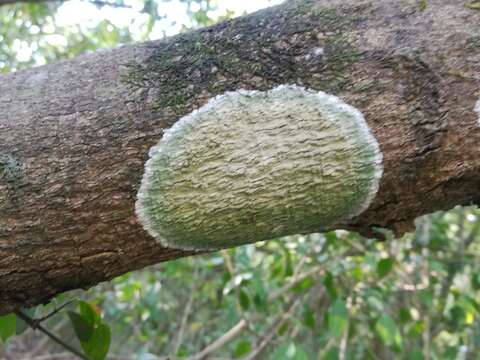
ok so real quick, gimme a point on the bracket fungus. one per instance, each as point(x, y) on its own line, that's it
point(253, 165)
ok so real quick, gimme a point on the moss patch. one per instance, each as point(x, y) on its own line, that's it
point(258, 51)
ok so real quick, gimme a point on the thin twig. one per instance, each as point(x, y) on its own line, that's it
point(272, 331)
point(296, 280)
point(231, 270)
point(43, 342)
point(242, 324)
point(228, 262)
point(35, 326)
point(427, 332)
point(327, 348)
point(186, 313)
point(344, 342)
point(61, 355)
point(221, 341)
point(42, 319)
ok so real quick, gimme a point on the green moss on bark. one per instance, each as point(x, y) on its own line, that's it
point(257, 51)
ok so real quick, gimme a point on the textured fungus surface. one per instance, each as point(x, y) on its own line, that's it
point(252, 165)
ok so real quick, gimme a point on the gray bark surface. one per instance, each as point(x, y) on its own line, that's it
point(75, 134)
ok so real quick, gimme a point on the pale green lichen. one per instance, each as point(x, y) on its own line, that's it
point(10, 169)
point(252, 166)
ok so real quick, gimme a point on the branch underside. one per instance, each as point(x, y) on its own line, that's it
point(76, 134)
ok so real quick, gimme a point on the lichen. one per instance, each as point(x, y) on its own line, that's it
point(473, 43)
point(10, 169)
point(474, 5)
point(422, 5)
point(253, 165)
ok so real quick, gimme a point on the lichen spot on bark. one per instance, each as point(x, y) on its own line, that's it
point(253, 165)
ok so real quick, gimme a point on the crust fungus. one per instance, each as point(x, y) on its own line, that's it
point(253, 165)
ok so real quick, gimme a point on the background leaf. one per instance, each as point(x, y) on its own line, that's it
point(388, 331)
point(99, 343)
point(337, 318)
point(8, 326)
point(81, 325)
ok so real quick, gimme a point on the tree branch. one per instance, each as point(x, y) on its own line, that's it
point(76, 134)
point(221, 341)
point(272, 331)
point(186, 314)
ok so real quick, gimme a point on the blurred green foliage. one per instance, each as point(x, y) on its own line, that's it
point(32, 33)
point(319, 296)
point(416, 297)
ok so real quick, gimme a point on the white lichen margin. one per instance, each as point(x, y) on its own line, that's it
point(253, 165)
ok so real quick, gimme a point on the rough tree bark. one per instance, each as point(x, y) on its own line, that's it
point(75, 134)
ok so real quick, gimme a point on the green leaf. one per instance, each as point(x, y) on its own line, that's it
point(243, 347)
point(82, 327)
point(330, 285)
point(303, 285)
point(97, 347)
point(332, 354)
point(384, 266)
point(283, 329)
point(337, 318)
point(415, 354)
point(244, 300)
point(281, 352)
point(182, 352)
point(332, 239)
point(388, 331)
point(260, 303)
point(289, 351)
point(426, 297)
point(475, 279)
point(88, 312)
point(300, 353)
point(404, 315)
point(416, 329)
point(357, 273)
point(296, 352)
point(275, 271)
point(8, 326)
point(288, 263)
point(309, 318)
